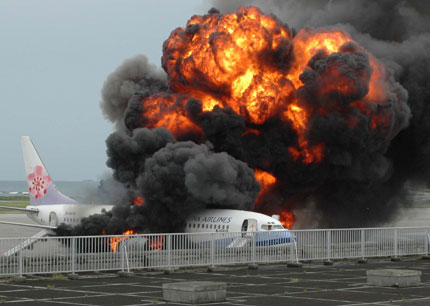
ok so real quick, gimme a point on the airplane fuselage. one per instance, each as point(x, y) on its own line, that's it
point(230, 220)
point(70, 214)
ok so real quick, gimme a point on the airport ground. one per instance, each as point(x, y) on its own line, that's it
point(344, 283)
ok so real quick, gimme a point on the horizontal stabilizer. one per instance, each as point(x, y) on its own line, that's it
point(29, 225)
point(34, 210)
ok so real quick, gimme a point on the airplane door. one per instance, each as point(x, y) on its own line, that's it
point(249, 225)
point(252, 225)
point(52, 219)
point(244, 226)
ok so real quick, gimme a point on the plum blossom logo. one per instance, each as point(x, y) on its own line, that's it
point(38, 181)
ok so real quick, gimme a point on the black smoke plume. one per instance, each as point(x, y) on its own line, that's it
point(361, 179)
point(398, 34)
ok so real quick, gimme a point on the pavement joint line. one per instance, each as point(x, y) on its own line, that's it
point(108, 285)
point(80, 291)
point(58, 299)
point(69, 303)
point(394, 301)
point(22, 300)
point(313, 298)
point(72, 297)
point(152, 291)
point(371, 287)
point(379, 293)
point(331, 300)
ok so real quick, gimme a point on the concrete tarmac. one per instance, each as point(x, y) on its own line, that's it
point(15, 231)
point(344, 283)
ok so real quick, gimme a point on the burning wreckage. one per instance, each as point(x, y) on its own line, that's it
point(250, 114)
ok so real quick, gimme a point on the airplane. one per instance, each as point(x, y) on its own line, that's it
point(49, 208)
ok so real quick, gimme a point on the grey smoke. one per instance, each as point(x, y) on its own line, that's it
point(175, 181)
point(384, 19)
point(183, 177)
point(107, 191)
point(134, 75)
point(127, 151)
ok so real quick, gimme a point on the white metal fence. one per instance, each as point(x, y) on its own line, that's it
point(21, 256)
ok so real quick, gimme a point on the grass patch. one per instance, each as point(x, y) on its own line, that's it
point(11, 279)
point(15, 198)
point(16, 204)
point(59, 277)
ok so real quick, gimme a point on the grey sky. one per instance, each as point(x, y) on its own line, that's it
point(54, 57)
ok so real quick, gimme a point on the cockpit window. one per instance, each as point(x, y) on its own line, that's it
point(269, 227)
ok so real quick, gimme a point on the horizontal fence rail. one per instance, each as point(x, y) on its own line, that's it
point(39, 255)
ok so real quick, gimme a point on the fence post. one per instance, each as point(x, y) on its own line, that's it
point(328, 245)
point(212, 249)
point(126, 257)
point(21, 261)
point(119, 248)
point(73, 254)
point(395, 242)
point(254, 250)
point(363, 243)
point(169, 253)
point(426, 243)
point(291, 248)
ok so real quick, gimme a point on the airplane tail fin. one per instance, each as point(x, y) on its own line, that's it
point(40, 185)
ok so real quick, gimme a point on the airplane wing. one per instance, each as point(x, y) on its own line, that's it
point(34, 210)
point(29, 225)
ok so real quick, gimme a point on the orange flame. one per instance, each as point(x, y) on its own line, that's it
point(138, 201)
point(252, 63)
point(114, 241)
point(156, 243)
point(228, 66)
point(298, 118)
point(167, 111)
point(264, 178)
point(287, 218)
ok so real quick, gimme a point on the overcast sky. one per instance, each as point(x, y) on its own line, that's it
point(54, 57)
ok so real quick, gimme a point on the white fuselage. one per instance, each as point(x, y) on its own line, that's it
point(230, 220)
point(70, 214)
point(236, 228)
